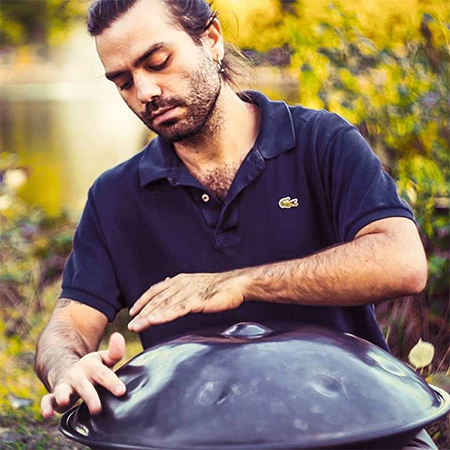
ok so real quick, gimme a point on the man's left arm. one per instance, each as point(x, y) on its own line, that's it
point(385, 260)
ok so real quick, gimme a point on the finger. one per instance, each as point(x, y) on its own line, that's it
point(169, 309)
point(147, 310)
point(87, 392)
point(178, 307)
point(150, 294)
point(108, 379)
point(47, 406)
point(63, 396)
point(115, 352)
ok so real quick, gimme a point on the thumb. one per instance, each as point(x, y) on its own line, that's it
point(116, 350)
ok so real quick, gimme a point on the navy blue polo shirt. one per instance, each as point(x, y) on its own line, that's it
point(149, 218)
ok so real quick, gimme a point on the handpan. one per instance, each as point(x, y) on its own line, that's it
point(275, 386)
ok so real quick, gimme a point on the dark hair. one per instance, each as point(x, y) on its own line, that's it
point(191, 16)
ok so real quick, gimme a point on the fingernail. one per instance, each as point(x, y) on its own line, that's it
point(136, 324)
point(119, 390)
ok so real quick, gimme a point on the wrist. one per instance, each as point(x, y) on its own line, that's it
point(55, 374)
point(265, 282)
point(246, 279)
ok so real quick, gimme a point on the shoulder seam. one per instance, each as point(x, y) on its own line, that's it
point(335, 132)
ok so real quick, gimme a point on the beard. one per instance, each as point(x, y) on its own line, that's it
point(198, 104)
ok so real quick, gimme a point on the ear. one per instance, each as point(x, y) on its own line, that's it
point(213, 40)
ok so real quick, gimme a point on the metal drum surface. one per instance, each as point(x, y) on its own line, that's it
point(253, 387)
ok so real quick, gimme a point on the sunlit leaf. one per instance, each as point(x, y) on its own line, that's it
point(421, 354)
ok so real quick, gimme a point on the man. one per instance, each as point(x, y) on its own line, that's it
point(241, 209)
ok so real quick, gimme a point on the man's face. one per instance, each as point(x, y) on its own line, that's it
point(157, 67)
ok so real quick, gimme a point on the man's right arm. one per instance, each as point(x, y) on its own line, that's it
point(67, 361)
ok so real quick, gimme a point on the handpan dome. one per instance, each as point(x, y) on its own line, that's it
point(251, 387)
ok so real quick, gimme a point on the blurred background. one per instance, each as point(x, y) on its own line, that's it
point(382, 64)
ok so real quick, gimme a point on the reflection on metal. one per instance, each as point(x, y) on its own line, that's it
point(388, 365)
point(297, 387)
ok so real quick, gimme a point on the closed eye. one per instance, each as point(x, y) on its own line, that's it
point(129, 82)
point(161, 66)
point(126, 85)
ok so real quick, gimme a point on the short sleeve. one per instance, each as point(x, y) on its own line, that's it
point(359, 190)
point(89, 275)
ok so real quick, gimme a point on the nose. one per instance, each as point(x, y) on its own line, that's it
point(147, 88)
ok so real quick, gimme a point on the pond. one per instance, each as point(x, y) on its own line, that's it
point(67, 134)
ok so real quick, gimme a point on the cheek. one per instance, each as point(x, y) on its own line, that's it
point(178, 76)
point(189, 67)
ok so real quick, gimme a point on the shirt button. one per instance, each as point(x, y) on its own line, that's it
point(205, 198)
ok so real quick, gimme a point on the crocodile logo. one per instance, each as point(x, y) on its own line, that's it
point(288, 202)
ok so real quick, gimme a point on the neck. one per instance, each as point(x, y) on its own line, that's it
point(227, 136)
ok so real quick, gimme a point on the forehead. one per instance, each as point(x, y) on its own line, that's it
point(146, 23)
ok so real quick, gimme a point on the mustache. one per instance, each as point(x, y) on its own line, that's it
point(156, 105)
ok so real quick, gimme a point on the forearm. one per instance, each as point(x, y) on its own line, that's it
point(62, 343)
point(367, 269)
point(385, 260)
point(59, 347)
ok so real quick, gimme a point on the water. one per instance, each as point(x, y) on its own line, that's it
point(68, 124)
point(67, 143)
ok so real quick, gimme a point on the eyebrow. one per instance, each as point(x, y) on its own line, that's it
point(152, 49)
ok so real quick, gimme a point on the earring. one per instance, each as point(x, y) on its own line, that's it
point(220, 66)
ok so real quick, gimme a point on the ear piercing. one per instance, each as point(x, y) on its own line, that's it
point(220, 66)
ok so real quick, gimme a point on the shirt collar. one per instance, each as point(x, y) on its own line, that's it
point(276, 135)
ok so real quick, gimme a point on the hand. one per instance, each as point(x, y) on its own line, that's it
point(186, 293)
point(79, 380)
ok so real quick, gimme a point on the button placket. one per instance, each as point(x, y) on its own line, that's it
point(252, 166)
point(208, 206)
